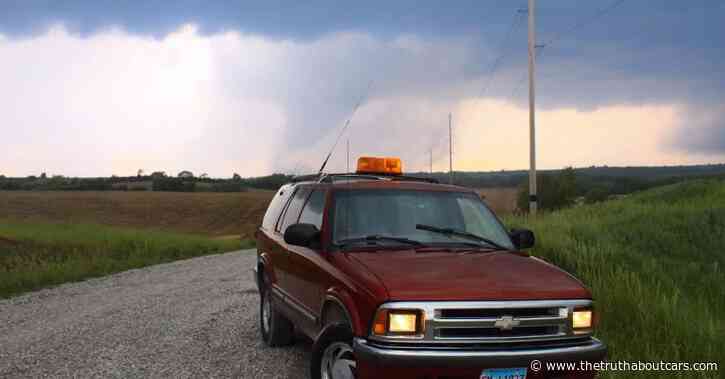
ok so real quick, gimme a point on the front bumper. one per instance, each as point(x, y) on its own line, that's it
point(380, 358)
point(591, 350)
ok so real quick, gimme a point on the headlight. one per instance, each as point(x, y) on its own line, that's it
point(582, 319)
point(398, 322)
point(402, 322)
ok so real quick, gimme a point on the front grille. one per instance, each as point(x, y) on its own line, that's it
point(500, 312)
point(498, 321)
point(492, 322)
point(497, 333)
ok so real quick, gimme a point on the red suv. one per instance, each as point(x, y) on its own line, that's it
point(400, 277)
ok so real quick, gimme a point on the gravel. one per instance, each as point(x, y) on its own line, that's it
point(191, 318)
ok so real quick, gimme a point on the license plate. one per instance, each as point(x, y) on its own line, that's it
point(504, 373)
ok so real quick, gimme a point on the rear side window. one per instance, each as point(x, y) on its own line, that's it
point(293, 209)
point(312, 212)
point(275, 207)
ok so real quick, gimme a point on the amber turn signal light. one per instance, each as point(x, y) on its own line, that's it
point(379, 327)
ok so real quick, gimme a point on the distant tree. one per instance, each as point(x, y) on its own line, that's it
point(236, 177)
point(43, 176)
point(185, 174)
point(139, 173)
point(204, 176)
point(173, 184)
point(595, 195)
point(273, 181)
point(554, 191)
point(566, 188)
point(158, 174)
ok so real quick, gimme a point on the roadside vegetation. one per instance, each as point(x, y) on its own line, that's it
point(655, 262)
point(36, 255)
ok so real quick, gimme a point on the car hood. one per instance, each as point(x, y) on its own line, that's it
point(409, 275)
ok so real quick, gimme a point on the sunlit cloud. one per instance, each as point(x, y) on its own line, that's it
point(495, 135)
point(113, 103)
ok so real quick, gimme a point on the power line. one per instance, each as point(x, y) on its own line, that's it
point(520, 83)
point(599, 14)
point(502, 50)
point(540, 48)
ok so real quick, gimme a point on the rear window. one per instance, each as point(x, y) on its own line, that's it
point(275, 207)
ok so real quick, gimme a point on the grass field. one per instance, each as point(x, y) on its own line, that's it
point(655, 263)
point(211, 214)
point(34, 255)
point(47, 238)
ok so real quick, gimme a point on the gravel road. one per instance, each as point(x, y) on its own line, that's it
point(192, 318)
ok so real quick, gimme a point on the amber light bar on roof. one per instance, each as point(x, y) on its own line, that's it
point(375, 165)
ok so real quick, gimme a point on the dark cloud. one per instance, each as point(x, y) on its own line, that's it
point(702, 131)
point(665, 51)
point(281, 19)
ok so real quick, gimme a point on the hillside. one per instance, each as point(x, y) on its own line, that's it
point(212, 214)
point(615, 179)
point(654, 262)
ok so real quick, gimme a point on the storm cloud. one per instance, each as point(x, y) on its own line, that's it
point(228, 87)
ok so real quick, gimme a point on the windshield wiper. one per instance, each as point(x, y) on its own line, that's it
point(374, 238)
point(461, 233)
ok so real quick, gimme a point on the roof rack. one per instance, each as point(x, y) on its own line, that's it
point(331, 178)
point(306, 178)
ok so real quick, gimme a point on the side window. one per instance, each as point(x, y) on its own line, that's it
point(312, 212)
point(293, 209)
point(275, 207)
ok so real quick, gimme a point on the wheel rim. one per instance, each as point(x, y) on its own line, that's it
point(266, 313)
point(338, 362)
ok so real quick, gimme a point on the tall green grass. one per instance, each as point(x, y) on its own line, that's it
point(655, 263)
point(33, 255)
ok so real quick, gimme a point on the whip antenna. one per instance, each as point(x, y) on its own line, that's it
point(347, 124)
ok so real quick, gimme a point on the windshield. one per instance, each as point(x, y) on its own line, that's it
point(396, 213)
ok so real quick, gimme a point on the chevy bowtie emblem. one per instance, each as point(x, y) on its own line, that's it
point(506, 322)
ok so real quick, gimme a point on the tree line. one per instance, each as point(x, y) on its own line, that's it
point(184, 181)
point(557, 188)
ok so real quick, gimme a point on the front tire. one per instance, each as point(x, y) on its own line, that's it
point(276, 329)
point(332, 354)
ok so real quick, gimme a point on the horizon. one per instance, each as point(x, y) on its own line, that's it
point(523, 170)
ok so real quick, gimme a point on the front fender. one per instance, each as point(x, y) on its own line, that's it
point(264, 266)
point(345, 301)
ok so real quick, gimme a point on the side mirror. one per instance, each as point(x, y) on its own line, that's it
point(522, 238)
point(301, 235)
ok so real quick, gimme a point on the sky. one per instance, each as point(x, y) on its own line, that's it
point(100, 88)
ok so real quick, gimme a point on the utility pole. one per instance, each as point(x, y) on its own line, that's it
point(450, 148)
point(348, 155)
point(431, 160)
point(533, 201)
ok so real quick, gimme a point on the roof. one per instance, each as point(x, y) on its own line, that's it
point(374, 181)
